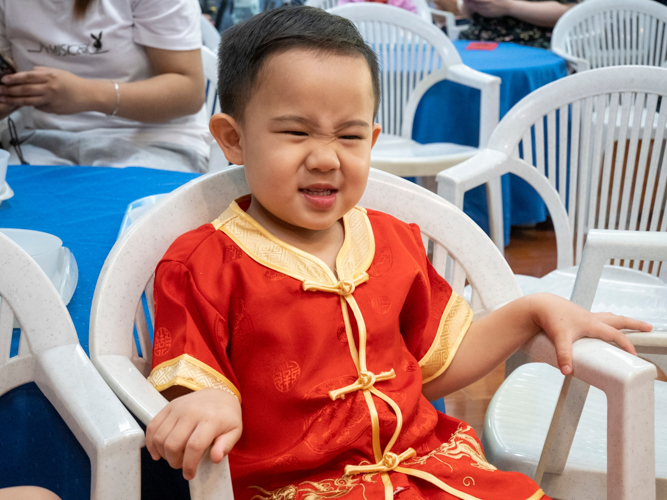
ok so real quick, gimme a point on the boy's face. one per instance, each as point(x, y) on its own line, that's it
point(306, 136)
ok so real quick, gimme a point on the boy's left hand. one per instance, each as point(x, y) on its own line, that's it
point(565, 322)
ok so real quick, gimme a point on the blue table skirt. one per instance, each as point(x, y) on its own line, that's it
point(449, 112)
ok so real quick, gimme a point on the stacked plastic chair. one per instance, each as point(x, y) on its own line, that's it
point(49, 354)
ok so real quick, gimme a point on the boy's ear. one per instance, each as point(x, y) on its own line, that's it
point(377, 128)
point(226, 132)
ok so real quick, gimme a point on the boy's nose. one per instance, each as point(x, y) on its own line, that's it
point(323, 157)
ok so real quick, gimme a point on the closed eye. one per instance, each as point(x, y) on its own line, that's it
point(295, 132)
point(351, 137)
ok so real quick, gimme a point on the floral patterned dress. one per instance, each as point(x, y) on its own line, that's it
point(509, 29)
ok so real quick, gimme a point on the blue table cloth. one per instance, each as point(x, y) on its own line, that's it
point(449, 112)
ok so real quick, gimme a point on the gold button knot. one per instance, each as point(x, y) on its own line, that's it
point(346, 287)
point(390, 460)
point(367, 380)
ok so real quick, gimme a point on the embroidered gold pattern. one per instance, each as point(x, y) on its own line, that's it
point(468, 481)
point(453, 326)
point(271, 252)
point(189, 372)
point(322, 490)
point(459, 445)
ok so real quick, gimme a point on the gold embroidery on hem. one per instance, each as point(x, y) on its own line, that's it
point(459, 445)
point(454, 324)
point(468, 481)
point(322, 490)
point(189, 372)
point(437, 482)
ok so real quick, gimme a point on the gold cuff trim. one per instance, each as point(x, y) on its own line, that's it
point(189, 372)
point(453, 326)
point(537, 495)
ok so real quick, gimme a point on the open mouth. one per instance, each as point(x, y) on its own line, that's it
point(319, 192)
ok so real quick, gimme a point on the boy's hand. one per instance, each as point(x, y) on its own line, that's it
point(565, 322)
point(188, 425)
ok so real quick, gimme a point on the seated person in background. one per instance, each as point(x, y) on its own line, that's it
point(326, 318)
point(106, 82)
point(527, 22)
point(403, 4)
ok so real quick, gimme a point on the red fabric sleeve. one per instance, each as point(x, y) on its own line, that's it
point(191, 336)
point(434, 319)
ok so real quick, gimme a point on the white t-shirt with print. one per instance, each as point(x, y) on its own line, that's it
point(108, 43)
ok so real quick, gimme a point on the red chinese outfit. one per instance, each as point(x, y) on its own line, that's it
point(329, 370)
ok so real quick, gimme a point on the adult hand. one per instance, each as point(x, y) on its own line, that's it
point(47, 89)
point(564, 323)
point(7, 109)
point(188, 425)
point(489, 8)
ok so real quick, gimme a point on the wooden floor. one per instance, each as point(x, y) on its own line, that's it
point(532, 251)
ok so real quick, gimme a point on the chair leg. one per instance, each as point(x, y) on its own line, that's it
point(494, 196)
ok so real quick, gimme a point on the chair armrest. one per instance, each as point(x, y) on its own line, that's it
point(212, 481)
point(604, 244)
point(490, 98)
point(450, 19)
point(649, 343)
point(106, 430)
point(454, 182)
point(627, 381)
point(576, 63)
point(595, 362)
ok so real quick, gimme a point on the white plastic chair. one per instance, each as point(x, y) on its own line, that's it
point(554, 141)
point(217, 160)
point(424, 10)
point(461, 251)
point(50, 355)
point(413, 57)
point(537, 405)
point(599, 33)
point(210, 36)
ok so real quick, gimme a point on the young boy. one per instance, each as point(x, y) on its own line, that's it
point(327, 319)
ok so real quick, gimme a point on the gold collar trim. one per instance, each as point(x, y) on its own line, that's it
point(354, 257)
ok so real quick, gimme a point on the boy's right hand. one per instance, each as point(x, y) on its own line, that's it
point(188, 425)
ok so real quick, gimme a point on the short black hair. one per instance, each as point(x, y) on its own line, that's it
point(244, 48)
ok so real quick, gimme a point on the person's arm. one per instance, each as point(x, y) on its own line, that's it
point(176, 90)
point(192, 422)
point(544, 14)
point(492, 339)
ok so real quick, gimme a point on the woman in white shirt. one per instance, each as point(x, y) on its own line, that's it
point(106, 82)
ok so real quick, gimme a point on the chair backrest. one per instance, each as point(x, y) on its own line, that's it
point(209, 61)
point(322, 4)
point(413, 55)
point(460, 251)
point(210, 36)
point(613, 33)
point(423, 9)
point(597, 141)
point(27, 296)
